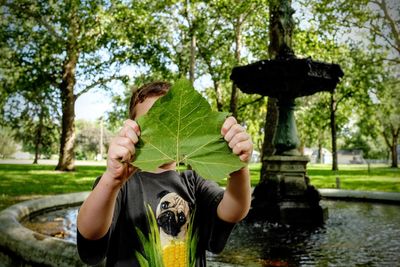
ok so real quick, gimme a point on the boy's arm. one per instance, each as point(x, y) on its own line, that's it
point(235, 203)
point(96, 213)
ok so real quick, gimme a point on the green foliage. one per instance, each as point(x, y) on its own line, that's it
point(7, 143)
point(192, 240)
point(181, 128)
point(88, 139)
point(34, 118)
point(152, 252)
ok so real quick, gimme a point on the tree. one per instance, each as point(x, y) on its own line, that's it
point(34, 118)
point(30, 103)
point(86, 43)
point(371, 25)
point(88, 139)
point(389, 116)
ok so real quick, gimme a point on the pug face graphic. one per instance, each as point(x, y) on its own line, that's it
point(172, 215)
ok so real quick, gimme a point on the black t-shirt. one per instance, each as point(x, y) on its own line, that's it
point(177, 210)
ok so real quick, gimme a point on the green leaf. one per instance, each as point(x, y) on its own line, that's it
point(181, 127)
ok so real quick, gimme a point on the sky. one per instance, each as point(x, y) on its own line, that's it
point(95, 103)
point(92, 105)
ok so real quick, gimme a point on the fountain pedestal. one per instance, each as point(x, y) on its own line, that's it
point(285, 195)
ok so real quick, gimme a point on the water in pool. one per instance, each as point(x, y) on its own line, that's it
point(356, 234)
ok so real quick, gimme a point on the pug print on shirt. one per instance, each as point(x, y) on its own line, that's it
point(174, 239)
point(172, 218)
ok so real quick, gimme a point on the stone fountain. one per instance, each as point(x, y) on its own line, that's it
point(284, 193)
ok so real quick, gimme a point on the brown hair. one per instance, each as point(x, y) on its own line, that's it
point(150, 89)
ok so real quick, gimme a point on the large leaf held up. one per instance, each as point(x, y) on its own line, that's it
point(181, 127)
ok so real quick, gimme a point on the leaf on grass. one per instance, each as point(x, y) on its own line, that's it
point(181, 127)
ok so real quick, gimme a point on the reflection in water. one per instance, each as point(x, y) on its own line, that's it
point(356, 234)
point(59, 223)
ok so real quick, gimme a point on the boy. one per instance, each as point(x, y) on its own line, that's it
point(186, 207)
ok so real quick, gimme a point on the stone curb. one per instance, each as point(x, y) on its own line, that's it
point(38, 249)
point(361, 195)
point(35, 248)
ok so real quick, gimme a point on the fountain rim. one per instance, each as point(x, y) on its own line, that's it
point(41, 249)
point(356, 195)
point(34, 247)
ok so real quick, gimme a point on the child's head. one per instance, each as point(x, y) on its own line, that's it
point(148, 91)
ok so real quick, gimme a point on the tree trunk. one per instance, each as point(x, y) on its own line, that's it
point(333, 132)
point(271, 121)
point(233, 107)
point(191, 32)
point(192, 56)
point(66, 161)
point(319, 157)
point(38, 139)
point(218, 97)
point(280, 38)
point(395, 136)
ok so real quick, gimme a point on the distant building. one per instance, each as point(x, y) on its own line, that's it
point(350, 157)
point(398, 152)
point(326, 157)
point(19, 154)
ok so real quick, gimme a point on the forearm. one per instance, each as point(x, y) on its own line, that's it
point(235, 204)
point(96, 213)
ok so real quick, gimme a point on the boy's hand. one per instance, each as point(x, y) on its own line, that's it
point(237, 138)
point(122, 151)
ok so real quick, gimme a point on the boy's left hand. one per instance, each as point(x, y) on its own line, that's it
point(237, 139)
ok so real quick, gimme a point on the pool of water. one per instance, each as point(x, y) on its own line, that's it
point(356, 234)
point(60, 223)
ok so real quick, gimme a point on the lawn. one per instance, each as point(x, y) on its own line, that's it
point(22, 182)
point(352, 177)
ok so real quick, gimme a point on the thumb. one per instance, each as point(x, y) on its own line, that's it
point(131, 169)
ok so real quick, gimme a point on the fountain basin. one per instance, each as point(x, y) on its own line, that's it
point(29, 248)
point(251, 244)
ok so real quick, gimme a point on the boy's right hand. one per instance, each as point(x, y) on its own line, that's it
point(122, 152)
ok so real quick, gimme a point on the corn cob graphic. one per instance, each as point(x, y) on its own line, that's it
point(175, 254)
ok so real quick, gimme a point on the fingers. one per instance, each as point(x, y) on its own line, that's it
point(122, 147)
point(238, 140)
point(228, 123)
point(120, 153)
point(232, 129)
point(131, 130)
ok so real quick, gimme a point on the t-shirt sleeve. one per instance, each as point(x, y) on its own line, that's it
point(215, 231)
point(93, 252)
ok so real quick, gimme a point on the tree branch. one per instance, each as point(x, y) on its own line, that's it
point(378, 33)
point(251, 102)
point(343, 97)
point(100, 81)
point(392, 24)
point(386, 138)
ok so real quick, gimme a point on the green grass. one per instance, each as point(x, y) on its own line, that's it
point(352, 177)
point(22, 182)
